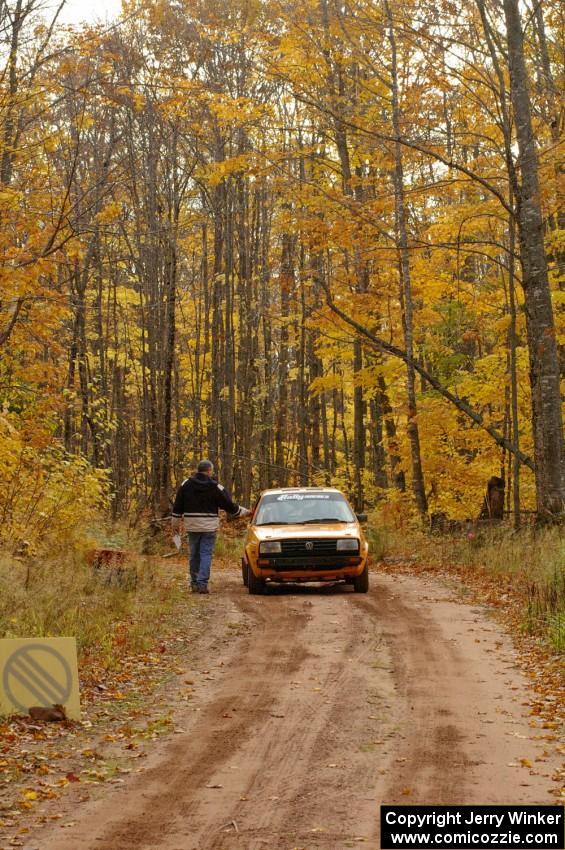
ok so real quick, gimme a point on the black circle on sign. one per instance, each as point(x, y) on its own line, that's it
point(25, 667)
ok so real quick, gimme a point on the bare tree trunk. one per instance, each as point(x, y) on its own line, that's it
point(396, 471)
point(554, 118)
point(286, 286)
point(303, 423)
point(418, 485)
point(338, 97)
point(217, 326)
point(544, 365)
point(227, 407)
point(16, 22)
point(379, 457)
point(512, 344)
point(169, 359)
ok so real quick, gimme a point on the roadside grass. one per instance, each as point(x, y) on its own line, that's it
point(135, 641)
point(525, 571)
point(229, 545)
point(378, 539)
point(110, 614)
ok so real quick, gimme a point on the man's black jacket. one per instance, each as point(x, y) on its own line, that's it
point(199, 499)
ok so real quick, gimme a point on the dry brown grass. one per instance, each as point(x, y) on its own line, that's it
point(107, 612)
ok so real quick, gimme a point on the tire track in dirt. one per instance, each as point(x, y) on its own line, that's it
point(165, 800)
point(463, 714)
point(330, 704)
point(321, 764)
point(431, 764)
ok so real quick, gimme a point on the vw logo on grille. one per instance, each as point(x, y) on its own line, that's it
point(309, 545)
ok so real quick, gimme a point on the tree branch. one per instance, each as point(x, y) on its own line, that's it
point(461, 405)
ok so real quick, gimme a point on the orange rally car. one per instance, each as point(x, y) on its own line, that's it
point(302, 534)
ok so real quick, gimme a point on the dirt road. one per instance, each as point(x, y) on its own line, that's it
point(323, 705)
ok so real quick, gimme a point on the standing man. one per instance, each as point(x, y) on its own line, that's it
point(198, 501)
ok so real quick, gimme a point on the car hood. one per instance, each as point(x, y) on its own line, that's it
point(301, 531)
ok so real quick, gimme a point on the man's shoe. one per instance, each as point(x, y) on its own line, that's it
point(194, 588)
point(203, 590)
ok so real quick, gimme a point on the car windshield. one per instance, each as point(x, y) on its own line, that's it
point(291, 508)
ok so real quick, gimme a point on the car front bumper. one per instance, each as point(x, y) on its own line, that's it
point(318, 568)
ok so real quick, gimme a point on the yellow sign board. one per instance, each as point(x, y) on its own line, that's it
point(39, 671)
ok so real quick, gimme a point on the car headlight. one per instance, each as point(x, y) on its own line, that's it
point(269, 547)
point(348, 545)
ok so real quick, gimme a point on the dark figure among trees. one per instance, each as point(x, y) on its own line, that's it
point(493, 505)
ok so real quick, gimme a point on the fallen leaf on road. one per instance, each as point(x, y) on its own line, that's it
point(30, 795)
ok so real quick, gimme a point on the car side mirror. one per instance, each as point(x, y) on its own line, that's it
point(362, 517)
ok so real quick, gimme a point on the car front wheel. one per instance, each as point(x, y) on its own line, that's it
point(361, 583)
point(254, 584)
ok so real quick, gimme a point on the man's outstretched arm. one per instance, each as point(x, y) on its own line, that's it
point(227, 504)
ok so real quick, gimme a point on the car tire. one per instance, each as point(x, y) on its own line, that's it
point(361, 583)
point(255, 585)
point(244, 572)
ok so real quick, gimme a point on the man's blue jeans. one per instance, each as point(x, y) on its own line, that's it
point(201, 547)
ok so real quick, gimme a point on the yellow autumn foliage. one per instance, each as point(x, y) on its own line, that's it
point(49, 499)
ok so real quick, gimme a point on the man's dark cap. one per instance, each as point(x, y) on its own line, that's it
point(205, 465)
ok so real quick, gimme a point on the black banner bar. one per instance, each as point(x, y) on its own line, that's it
point(477, 827)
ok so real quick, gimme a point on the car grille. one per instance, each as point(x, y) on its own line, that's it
point(309, 548)
point(325, 563)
